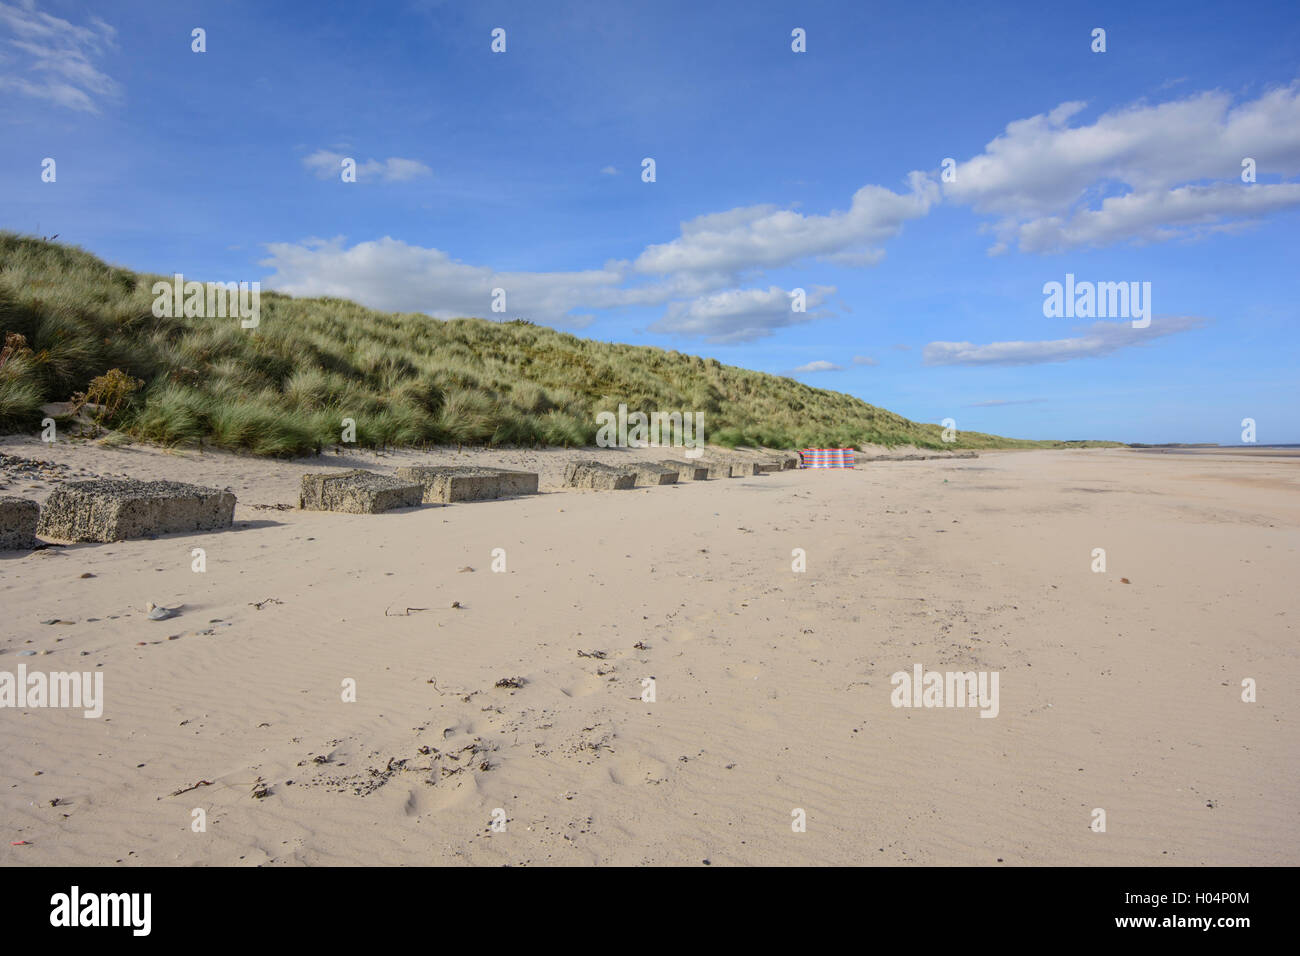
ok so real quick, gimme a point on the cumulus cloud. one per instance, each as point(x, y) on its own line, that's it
point(609, 171)
point(767, 237)
point(1100, 338)
point(1156, 216)
point(698, 276)
point(864, 360)
point(821, 365)
point(739, 315)
point(1145, 172)
point(55, 58)
point(327, 165)
point(392, 275)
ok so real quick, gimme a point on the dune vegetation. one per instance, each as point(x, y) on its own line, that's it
point(75, 329)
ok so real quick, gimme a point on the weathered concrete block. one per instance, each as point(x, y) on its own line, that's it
point(18, 517)
point(447, 483)
point(743, 467)
point(592, 474)
point(688, 470)
point(767, 467)
point(788, 460)
point(721, 469)
point(357, 492)
point(650, 473)
point(113, 509)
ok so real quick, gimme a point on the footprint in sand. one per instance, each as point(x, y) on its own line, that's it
point(631, 769)
point(413, 805)
point(584, 686)
point(456, 790)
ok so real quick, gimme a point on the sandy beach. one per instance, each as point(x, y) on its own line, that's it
point(518, 695)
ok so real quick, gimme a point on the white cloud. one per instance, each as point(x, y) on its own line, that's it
point(1100, 338)
point(1157, 215)
point(864, 360)
point(609, 171)
point(389, 274)
point(327, 164)
point(765, 237)
point(1145, 172)
point(739, 315)
point(821, 365)
point(56, 56)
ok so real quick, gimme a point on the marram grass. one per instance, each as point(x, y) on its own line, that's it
point(285, 387)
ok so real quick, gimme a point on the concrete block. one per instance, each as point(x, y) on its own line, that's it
point(592, 474)
point(114, 509)
point(688, 470)
point(18, 517)
point(448, 483)
point(650, 473)
point(357, 492)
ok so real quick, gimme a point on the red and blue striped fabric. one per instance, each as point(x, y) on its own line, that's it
point(826, 458)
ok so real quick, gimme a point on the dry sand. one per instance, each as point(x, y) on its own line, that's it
point(772, 687)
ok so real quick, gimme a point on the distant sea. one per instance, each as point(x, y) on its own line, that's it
point(1189, 449)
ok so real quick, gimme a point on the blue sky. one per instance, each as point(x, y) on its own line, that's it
point(775, 170)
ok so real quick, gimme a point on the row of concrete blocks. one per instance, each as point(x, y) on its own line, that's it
point(366, 492)
point(117, 509)
point(112, 509)
point(594, 474)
